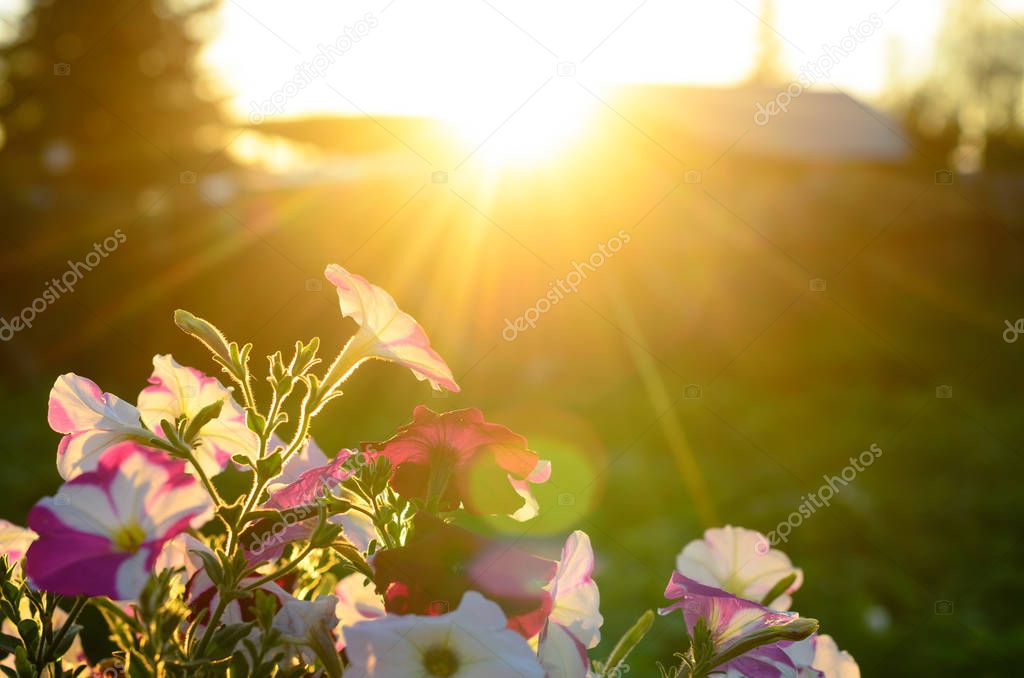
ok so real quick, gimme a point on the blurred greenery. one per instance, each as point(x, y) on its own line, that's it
point(714, 290)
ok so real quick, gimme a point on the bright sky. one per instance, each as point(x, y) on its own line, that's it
point(429, 57)
point(464, 57)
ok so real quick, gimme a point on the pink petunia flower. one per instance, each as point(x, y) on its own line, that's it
point(739, 561)
point(830, 661)
point(385, 332)
point(483, 466)
point(175, 390)
point(91, 421)
point(14, 540)
point(358, 601)
point(733, 620)
point(103, 531)
point(574, 625)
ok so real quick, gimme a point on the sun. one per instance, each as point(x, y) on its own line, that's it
point(545, 124)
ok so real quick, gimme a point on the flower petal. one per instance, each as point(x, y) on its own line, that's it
point(386, 331)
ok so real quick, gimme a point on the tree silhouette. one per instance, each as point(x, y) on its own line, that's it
point(102, 99)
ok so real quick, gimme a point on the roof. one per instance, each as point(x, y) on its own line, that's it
point(815, 125)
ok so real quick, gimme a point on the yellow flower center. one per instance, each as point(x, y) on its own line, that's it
point(440, 662)
point(129, 537)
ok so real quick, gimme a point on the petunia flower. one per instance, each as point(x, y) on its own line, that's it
point(732, 621)
point(440, 562)
point(103, 531)
point(175, 391)
point(298, 500)
point(309, 456)
point(91, 421)
point(458, 458)
point(307, 627)
point(470, 642)
point(358, 601)
point(14, 540)
point(741, 562)
point(312, 485)
point(830, 662)
point(385, 332)
point(200, 591)
point(574, 625)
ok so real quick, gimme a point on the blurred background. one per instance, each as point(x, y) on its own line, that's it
point(700, 254)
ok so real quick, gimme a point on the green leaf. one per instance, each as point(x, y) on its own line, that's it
point(202, 418)
point(798, 629)
point(255, 421)
point(214, 570)
point(777, 590)
point(65, 644)
point(29, 631)
point(227, 638)
point(628, 642)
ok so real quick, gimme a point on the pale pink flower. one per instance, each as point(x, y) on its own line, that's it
point(14, 540)
point(741, 562)
point(385, 331)
point(176, 391)
point(91, 421)
point(358, 601)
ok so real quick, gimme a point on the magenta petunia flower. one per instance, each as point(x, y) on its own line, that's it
point(465, 460)
point(101, 534)
point(385, 331)
point(733, 620)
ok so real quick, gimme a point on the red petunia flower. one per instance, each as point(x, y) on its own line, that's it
point(457, 457)
point(429, 575)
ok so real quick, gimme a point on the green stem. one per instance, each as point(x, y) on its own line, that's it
point(212, 625)
point(73, 613)
point(207, 483)
point(283, 570)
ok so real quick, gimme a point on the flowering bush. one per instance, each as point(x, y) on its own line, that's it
point(347, 565)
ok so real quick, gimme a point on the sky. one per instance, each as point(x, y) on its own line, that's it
point(461, 58)
point(455, 56)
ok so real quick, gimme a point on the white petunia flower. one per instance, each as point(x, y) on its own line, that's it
point(471, 642)
point(741, 562)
